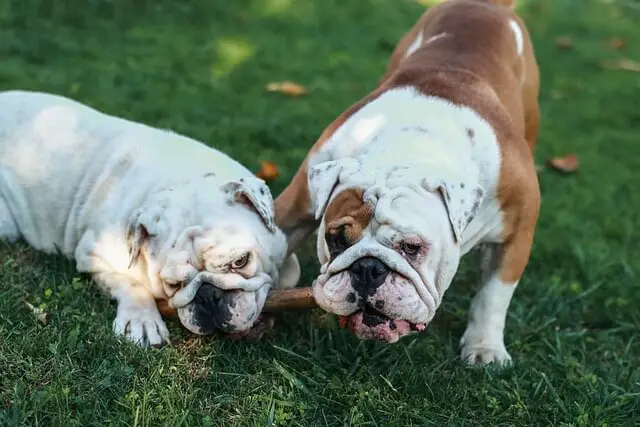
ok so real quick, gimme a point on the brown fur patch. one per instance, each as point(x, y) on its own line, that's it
point(477, 65)
point(347, 210)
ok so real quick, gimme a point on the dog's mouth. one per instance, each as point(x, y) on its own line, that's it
point(371, 324)
point(216, 310)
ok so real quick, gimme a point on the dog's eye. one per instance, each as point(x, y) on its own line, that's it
point(336, 241)
point(411, 249)
point(240, 262)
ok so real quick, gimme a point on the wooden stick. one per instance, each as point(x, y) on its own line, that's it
point(289, 299)
point(277, 300)
point(164, 308)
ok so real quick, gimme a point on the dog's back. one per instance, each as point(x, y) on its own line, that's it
point(482, 39)
point(49, 155)
point(63, 164)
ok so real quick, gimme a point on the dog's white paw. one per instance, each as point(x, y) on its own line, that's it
point(141, 325)
point(483, 349)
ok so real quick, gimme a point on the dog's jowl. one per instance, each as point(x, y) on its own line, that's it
point(149, 213)
point(435, 161)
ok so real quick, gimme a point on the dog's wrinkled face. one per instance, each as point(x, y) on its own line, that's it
point(386, 277)
point(229, 283)
point(217, 274)
point(388, 244)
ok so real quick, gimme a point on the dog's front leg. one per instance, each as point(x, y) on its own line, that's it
point(483, 341)
point(137, 318)
point(502, 266)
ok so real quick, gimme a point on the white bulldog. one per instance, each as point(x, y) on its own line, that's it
point(435, 161)
point(149, 213)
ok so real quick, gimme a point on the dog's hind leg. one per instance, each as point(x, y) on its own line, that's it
point(293, 211)
point(503, 265)
point(9, 230)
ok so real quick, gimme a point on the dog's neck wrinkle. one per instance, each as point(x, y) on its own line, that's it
point(403, 125)
point(379, 177)
point(420, 159)
point(397, 110)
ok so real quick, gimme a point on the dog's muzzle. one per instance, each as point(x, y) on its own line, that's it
point(209, 310)
point(204, 306)
point(367, 275)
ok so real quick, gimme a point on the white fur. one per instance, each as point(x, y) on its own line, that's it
point(517, 33)
point(87, 184)
point(436, 37)
point(445, 146)
point(415, 45)
point(415, 144)
point(483, 341)
point(138, 319)
point(418, 42)
point(421, 288)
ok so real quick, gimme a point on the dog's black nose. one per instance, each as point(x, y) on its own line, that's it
point(208, 295)
point(211, 308)
point(367, 275)
point(222, 314)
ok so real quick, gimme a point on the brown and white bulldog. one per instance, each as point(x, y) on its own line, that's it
point(435, 161)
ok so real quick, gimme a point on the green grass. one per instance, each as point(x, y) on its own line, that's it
point(200, 67)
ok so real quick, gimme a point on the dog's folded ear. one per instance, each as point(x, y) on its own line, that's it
point(462, 201)
point(323, 178)
point(142, 224)
point(253, 193)
point(289, 272)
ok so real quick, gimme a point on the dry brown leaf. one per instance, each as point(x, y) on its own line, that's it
point(623, 64)
point(268, 171)
point(41, 315)
point(287, 88)
point(617, 43)
point(564, 43)
point(566, 164)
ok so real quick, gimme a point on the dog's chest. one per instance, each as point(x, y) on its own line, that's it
point(486, 227)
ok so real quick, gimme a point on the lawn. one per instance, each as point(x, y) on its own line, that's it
point(200, 67)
